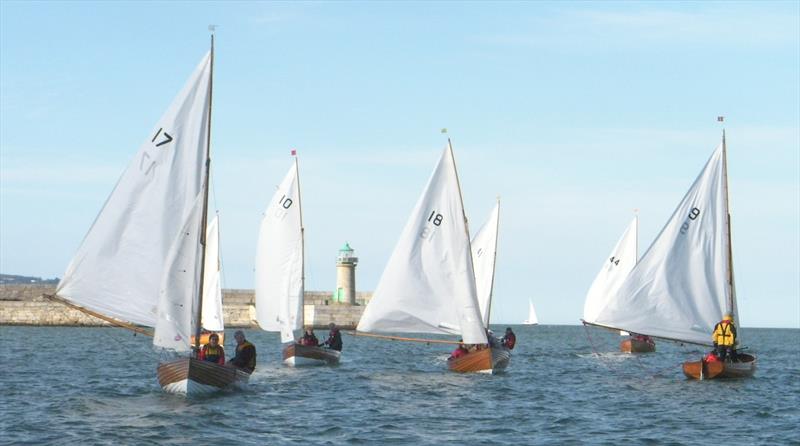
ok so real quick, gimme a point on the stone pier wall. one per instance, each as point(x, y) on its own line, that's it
point(24, 305)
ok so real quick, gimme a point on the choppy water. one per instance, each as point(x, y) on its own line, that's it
point(98, 386)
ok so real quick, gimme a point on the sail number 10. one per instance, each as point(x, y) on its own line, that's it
point(434, 219)
point(693, 214)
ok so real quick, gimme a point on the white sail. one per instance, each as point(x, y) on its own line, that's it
point(212, 286)
point(279, 261)
point(679, 289)
point(614, 271)
point(484, 250)
point(118, 267)
point(178, 296)
point(532, 319)
point(428, 285)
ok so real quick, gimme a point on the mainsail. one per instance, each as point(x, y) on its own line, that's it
point(212, 285)
point(279, 261)
point(428, 285)
point(484, 254)
point(120, 266)
point(177, 321)
point(682, 285)
point(613, 273)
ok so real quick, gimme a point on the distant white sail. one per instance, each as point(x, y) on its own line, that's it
point(428, 285)
point(279, 261)
point(532, 319)
point(484, 249)
point(178, 296)
point(614, 271)
point(118, 268)
point(679, 289)
point(212, 286)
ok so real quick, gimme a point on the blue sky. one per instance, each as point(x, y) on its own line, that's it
point(574, 113)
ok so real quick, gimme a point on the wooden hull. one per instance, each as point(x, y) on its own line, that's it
point(635, 346)
point(189, 376)
point(489, 360)
point(744, 368)
point(300, 355)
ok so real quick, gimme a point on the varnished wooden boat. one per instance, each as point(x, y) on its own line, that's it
point(189, 376)
point(637, 346)
point(295, 354)
point(489, 360)
point(745, 367)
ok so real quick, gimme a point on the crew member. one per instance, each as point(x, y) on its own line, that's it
point(724, 338)
point(309, 338)
point(213, 352)
point(460, 351)
point(334, 340)
point(245, 358)
point(509, 339)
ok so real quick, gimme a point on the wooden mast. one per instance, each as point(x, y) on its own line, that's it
point(731, 284)
point(494, 264)
point(302, 314)
point(464, 215)
point(203, 217)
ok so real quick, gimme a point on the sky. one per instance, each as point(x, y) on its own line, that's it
point(574, 113)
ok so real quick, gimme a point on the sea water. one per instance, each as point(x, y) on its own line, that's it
point(564, 385)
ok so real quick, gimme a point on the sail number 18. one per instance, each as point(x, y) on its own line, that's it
point(436, 220)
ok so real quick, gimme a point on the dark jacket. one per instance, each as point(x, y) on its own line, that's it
point(245, 357)
point(334, 340)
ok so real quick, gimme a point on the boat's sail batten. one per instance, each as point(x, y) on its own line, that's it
point(612, 274)
point(212, 287)
point(118, 268)
point(428, 285)
point(679, 288)
point(484, 247)
point(279, 262)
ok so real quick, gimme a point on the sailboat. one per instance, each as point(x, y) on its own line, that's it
point(280, 274)
point(428, 285)
point(532, 319)
point(620, 262)
point(141, 263)
point(484, 259)
point(684, 283)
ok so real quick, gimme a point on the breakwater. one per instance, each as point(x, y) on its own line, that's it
point(26, 305)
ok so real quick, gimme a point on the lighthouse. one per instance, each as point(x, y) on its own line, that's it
point(345, 276)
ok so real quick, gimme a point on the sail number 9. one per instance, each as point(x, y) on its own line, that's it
point(436, 220)
point(693, 214)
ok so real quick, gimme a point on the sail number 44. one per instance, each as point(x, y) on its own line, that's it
point(693, 214)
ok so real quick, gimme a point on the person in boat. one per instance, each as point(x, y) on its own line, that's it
point(309, 338)
point(493, 342)
point(509, 340)
point(460, 351)
point(724, 338)
point(642, 338)
point(334, 341)
point(213, 352)
point(245, 358)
